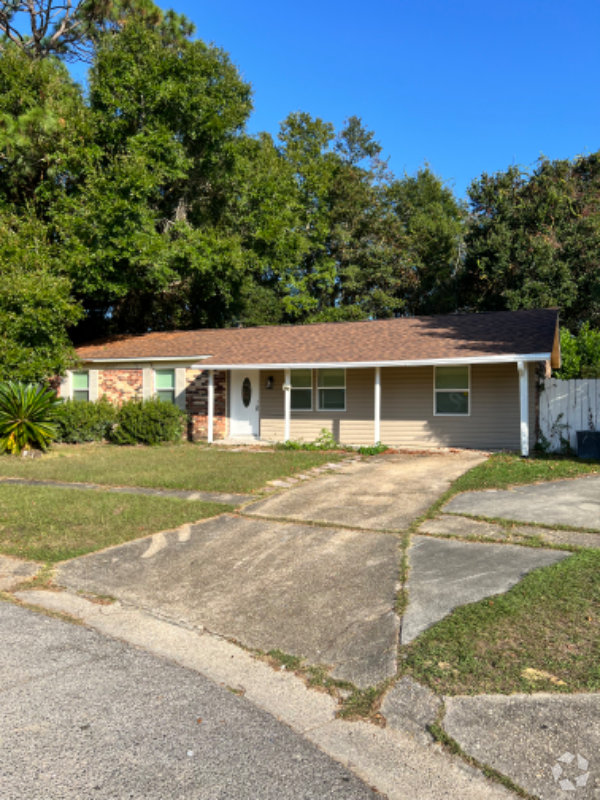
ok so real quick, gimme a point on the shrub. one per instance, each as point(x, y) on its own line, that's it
point(27, 417)
point(80, 422)
point(325, 441)
point(148, 422)
point(373, 449)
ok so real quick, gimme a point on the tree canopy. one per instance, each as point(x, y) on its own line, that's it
point(143, 203)
point(534, 240)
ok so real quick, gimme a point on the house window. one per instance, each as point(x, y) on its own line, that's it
point(81, 385)
point(164, 383)
point(301, 383)
point(331, 384)
point(452, 392)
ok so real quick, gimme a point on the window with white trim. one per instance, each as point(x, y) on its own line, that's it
point(80, 386)
point(331, 389)
point(164, 385)
point(452, 391)
point(301, 391)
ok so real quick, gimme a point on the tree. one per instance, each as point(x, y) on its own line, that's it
point(165, 118)
point(45, 129)
point(36, 306)
point(580, 354)
point(534, 240)
point(433, 224)
point(71, 28)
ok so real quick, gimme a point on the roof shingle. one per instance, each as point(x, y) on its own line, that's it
point(504, 333)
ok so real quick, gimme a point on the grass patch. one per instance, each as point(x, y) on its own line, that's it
point(179, 466)
point(503, 470)
point(47, 524)
point(542, 635)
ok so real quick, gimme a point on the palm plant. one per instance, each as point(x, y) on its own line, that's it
point(27, 414)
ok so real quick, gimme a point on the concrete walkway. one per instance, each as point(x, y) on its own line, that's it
point(575, 503)
point(467, 528)
point(207, 497)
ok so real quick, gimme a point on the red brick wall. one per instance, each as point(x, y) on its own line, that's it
point(197, 404)
point(120, 385)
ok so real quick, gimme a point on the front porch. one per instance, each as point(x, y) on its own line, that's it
point(479, 404)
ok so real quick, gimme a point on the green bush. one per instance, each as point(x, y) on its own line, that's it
point(27, 417)
point(148, 422)
point(325, 441)
point(580, 354)
point(373, 449)
point(80, 422)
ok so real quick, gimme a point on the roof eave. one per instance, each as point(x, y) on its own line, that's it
point(140, 359)
point(504, 359)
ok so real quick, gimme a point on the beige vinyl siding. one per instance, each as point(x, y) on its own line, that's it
point(407, 410)
point(353, 426)
point(494, 423)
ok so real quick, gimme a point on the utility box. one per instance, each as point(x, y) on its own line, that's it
point(588, 444)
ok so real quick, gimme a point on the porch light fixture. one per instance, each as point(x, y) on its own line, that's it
point(269, 383)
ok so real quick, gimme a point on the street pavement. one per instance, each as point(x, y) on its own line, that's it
point(85, 716)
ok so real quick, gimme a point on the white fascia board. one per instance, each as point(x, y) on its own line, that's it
point(437, 362)
point(143, 360)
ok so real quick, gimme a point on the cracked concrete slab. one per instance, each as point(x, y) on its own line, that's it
point(325, 594)
point(14, 571)
point(446, 574)
point(410, 708)
point(575, 503)
point(526, 737)
point(383, 494)
point(467, 528)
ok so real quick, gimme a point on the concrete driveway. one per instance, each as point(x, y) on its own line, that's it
point(327, 594)
point(385, 493)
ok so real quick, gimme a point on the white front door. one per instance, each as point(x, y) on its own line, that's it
point(245, 396)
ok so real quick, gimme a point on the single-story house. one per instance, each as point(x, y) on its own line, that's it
point(463, 380)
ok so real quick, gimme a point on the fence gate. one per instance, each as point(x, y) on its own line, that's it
point(567, 407)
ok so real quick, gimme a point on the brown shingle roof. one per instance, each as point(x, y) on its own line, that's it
point(459, 336)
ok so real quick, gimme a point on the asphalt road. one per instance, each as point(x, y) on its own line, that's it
point(85, 717)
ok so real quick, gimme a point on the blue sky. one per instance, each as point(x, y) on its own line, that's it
point(466, 86)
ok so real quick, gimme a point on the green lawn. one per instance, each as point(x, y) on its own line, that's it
point(47, 524)
point(549, 622)
point(503, 470)
point(180, 466)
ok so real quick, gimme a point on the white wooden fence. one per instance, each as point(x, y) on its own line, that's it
point(567, 407)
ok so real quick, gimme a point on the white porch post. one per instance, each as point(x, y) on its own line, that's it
point(523, 368)
point(287, 389)
point(377, 404)
point(211, 405)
